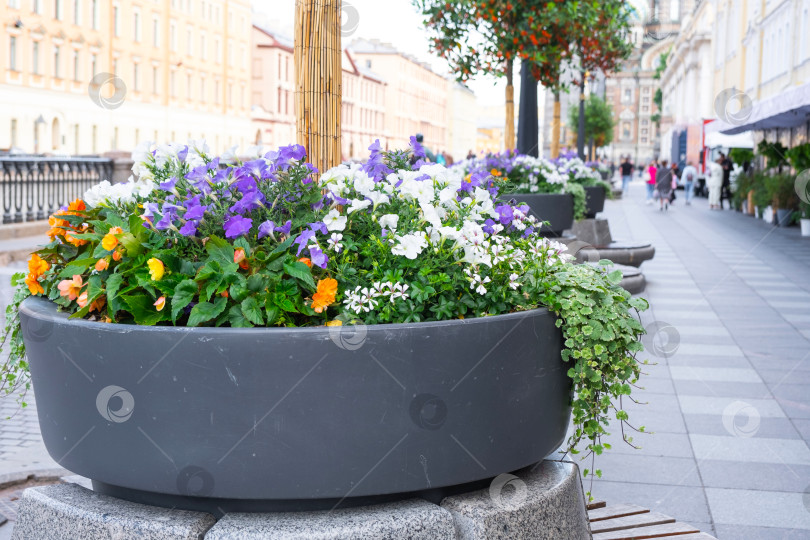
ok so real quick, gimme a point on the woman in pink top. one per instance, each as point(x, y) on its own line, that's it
point(652, 171)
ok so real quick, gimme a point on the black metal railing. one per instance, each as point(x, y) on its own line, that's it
point(33, 188)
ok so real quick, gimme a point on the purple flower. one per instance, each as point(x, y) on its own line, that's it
point(303, 239)
point(375, 167)
point(488, 226)
point(255, 169)
point(182, 154)
point(505, 213)
point(198, 177)
point(266, 229)
point(528, 232)
point(169, 212)
point(319, 226)
point(294, 151)
point(237, 226)
point(284, 229)
point(318, 257)
point(418, 150)
point(169, 184)
point(250, 201)
point(194, 210)
point(189, 228)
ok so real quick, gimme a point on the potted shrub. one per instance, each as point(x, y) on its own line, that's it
point(780, 188)
point(804, 218)
point(536, 182)
point(288, 342)
point(593, 178)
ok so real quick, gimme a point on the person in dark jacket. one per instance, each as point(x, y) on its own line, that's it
point(663, 185)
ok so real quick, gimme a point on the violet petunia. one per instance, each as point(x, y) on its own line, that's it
point(303, 239)
point(237, 226)
point(169, 184)
point(266, 229)
point(284, 229)
point(505, 214)
point(318, 257)
point(189, 228)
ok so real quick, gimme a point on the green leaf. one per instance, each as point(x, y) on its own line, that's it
point(237, 319)
point(205, 311)
point(183, 295)
point(133, 246)
point(219, 250)
point(300, 271)
point(272, 312)
point(142, 309)
point(114, 304)
point(257, 282)
point(615, 277)
point(252, 310)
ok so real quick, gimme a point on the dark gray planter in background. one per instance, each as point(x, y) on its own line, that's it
point(556, 208)
point(295, 418)
point(594, 200)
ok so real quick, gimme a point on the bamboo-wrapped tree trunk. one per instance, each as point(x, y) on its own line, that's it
point(509, 135)
point(555, 127)
point(318, 78)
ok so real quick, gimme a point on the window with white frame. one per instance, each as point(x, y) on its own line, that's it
point(116, 20)
point(94, 14)
point(173, 36)
point(12, 53)
point(189, 41)
point(155, 31)
point(57, 72)
point(136, 24)
point(77, 12)
point(76, 65)
point(57, 10)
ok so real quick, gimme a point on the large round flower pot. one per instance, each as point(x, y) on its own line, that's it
point(594, 200)
point(555, 208)
point(226, 419)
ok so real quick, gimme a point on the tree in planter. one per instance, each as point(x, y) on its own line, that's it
point(599, 122)
point(742, 156)
point(775, 154)
point(485, 37)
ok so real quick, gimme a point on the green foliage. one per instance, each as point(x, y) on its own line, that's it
point(741, 155)
point(599, 121)
point(799, 157)
point(781, 191)
point(775, 154)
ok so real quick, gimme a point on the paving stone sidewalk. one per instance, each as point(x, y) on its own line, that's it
point(730, 407)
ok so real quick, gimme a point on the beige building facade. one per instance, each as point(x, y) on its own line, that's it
point(89, 76)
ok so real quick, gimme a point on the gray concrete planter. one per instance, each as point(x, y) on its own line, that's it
point(556, 208)
point(594, 200)
point(280, 418)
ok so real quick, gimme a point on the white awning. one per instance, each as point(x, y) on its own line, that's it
point(787, 109)
point(740, 140)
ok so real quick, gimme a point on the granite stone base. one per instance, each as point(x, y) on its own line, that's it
point(628, 254)
point(545, 501)
point(70, 511)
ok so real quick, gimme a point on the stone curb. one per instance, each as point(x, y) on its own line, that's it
point(542, 502)
point(19, 477)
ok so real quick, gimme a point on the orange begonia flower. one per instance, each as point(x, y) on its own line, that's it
point(116, 255)
point(102, 265)
point(98, 304)
point(306, 261)
point(71, 288)
point(238, 255)
point(160, 303)
point(327, 289)
point(82, 299)
point(495, 172)
point(110, 241)
point(77, 206)
point(34, 286)
point(36, 266)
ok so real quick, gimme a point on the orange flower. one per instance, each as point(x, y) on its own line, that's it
point(238, 255)
point(36, 266)
point(77, 206)
point(306, 261)
point(327, 289)
point(102, 265)
point(495, 172)
point(110, 241)
point(34, 285)
point(71, 288)
point(73, 240)
point(82, 300)
point(160, 303)
point(98, 304)
point(116, 255)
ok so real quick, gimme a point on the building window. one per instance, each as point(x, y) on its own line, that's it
point(13, 132)
point(627, 95)
point(203, 50)
point(189, 42)
point(116, 21)
point(77, 12)
point(154, 80)
point(217, 51)
point(155, 31)
point(644, 141)
point(625, 130)
point(173, 36)
point(93, 64)
point(202, 89)
point(76, 66)
point(188, 86)
point(35, 58)
point(12, 53)
point(645, 109)
point(136, 84)
point(172, 84)
point(14, 4)
point(76, 139)
point(95, 14)
point(38, 6)
point(136, 25)
point(57, 10)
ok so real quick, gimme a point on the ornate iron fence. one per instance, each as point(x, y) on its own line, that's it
point(32, 188)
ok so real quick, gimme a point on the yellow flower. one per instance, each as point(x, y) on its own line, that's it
point(160, 303)
point(33, 284)
point(156, 268)
point(36, 266)
point(325, 295)
point(110, 241)
point(336, 322)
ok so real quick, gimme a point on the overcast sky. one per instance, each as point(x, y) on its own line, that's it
point(393, 21)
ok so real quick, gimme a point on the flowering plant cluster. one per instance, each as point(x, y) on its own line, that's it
point(194, 241)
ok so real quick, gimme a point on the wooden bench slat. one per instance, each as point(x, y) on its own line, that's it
point(635, 521)
point(641, 533)
point(615, 511)
point(596, 504)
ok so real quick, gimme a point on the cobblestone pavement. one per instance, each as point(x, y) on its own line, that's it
point(730, 407)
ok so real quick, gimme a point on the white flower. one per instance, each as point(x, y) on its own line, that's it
point(377, 198)
point(104, 192)
point(513, 283)
point(230, 153)
point(358, 204)
point(477, 282)
point(363, 183)
point(389, 221)
point(334, 221)
point(410, 245)
point(334, 242)
point(399, 291)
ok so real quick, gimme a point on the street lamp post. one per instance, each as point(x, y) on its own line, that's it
point(581, 130)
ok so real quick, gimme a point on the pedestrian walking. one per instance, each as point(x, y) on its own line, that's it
point(627, 175)
point(689, 176)
point(725, 190)
point(715, 183)
point(652, 171)
point(676, 175)
point(663, 185)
